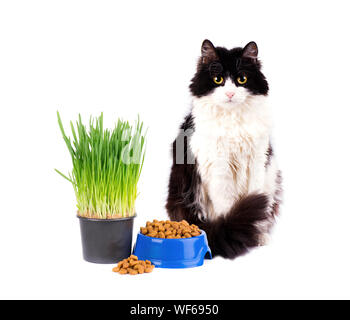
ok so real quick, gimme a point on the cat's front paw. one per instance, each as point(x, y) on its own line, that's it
point(222, 207)
point(264, 239)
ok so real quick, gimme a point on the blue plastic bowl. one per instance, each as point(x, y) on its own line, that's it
point(173, 253)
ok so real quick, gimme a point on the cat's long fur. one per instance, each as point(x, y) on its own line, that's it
point(232, 188)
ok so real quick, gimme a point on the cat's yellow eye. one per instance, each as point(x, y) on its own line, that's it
point(218, 80)
point(242, 79)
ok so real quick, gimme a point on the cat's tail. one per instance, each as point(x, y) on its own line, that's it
point(235, 233)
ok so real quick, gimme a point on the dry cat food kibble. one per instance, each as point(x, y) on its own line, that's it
point(133, 266)
point(170, 229)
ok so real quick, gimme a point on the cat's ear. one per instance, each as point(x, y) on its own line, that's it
point(208, 52)
point(250, 51)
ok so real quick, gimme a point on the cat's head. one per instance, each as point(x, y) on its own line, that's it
point(228, 78)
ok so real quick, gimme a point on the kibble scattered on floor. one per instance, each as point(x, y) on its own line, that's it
point(133, 266)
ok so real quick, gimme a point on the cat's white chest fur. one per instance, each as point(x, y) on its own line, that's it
point(230, 147)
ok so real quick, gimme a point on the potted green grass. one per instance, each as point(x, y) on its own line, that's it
point(106, 169)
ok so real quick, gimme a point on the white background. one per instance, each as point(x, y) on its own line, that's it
point(137, 57)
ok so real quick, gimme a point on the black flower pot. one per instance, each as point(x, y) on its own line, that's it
point(106, 240)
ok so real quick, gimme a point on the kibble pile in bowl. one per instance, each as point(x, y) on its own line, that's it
point(170, 229)
point(133, 266)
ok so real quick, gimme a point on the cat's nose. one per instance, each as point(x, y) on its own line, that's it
point(230, 94)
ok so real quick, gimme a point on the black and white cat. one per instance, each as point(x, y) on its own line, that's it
point(231, 188)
